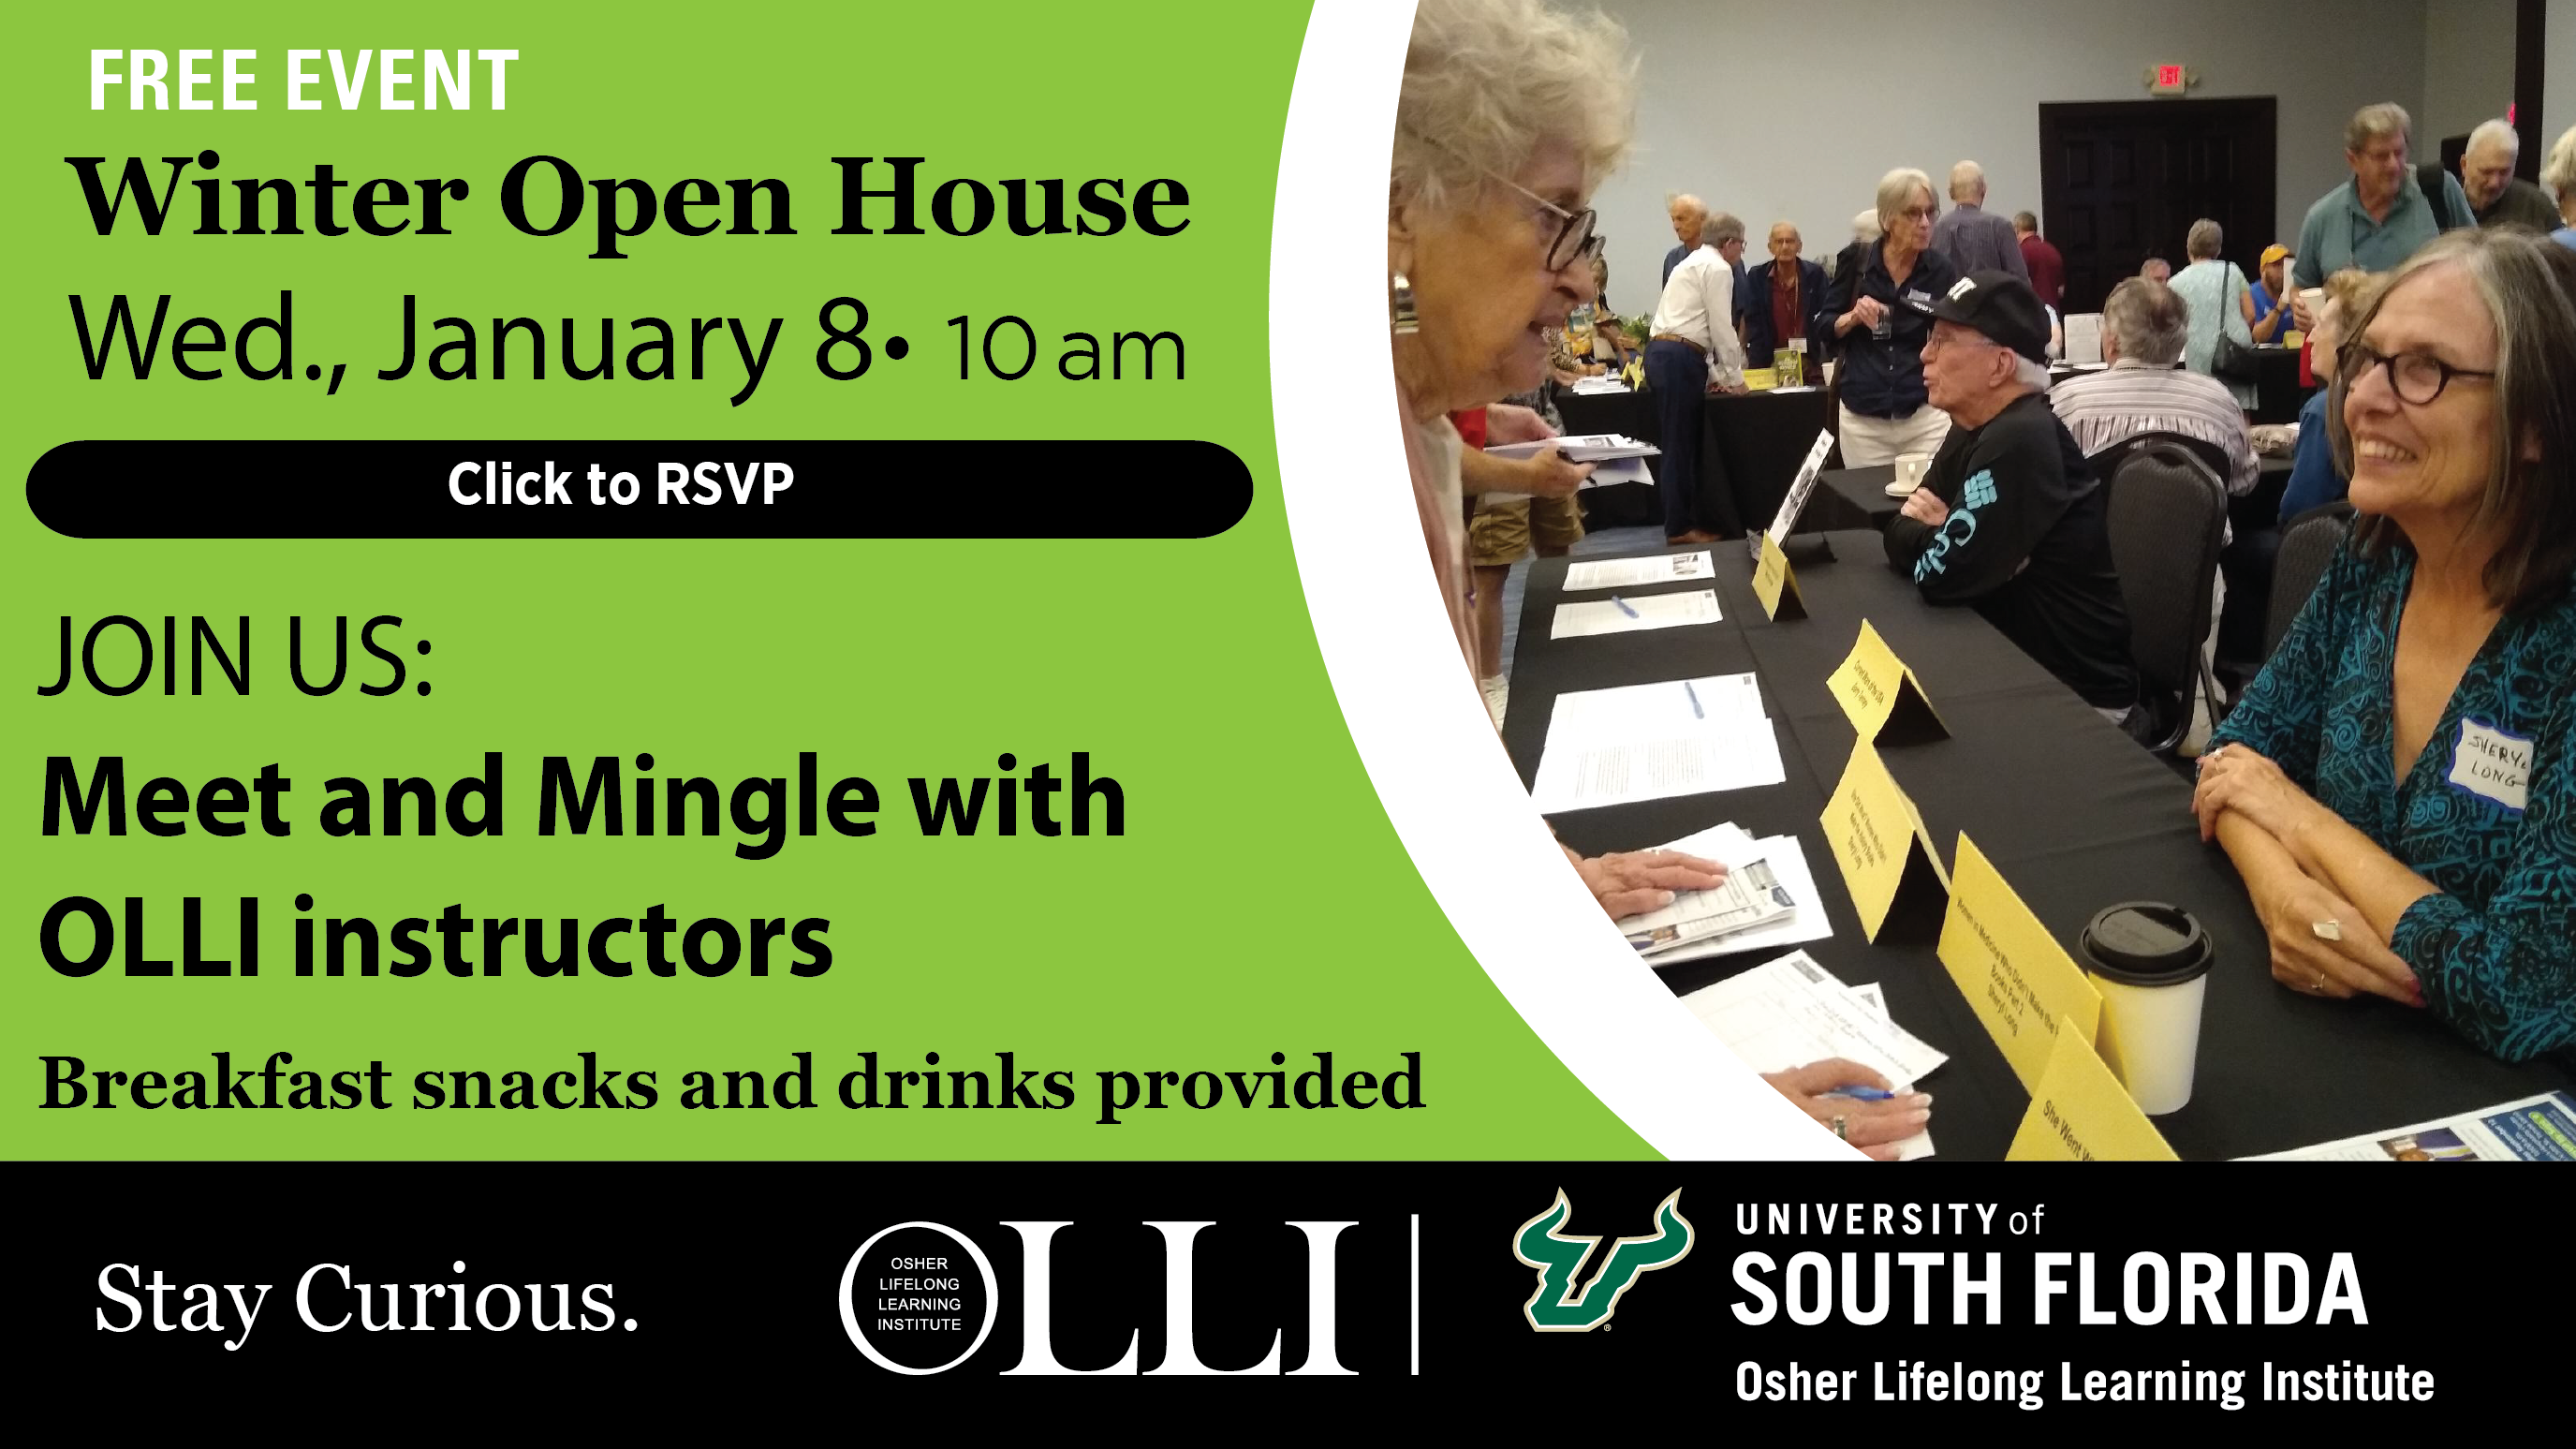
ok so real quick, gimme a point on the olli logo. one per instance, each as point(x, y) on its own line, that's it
point(1559, 1258)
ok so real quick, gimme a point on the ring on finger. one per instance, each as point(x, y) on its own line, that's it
point(1842, 1127)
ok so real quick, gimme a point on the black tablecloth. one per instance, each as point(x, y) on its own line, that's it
point(2074, 815)
point(1750, 448)
point(1758, 440)
point(1862, 491)
point(1617, 412)
point(1620, 505)
point(2277, 394)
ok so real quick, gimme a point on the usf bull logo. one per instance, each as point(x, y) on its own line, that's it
point(1559, 1258)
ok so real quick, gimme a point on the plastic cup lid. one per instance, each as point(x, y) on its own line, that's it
point(2146, 943)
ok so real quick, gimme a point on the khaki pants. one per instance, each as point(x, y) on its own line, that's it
point(1872, 442)
point(1503, 529)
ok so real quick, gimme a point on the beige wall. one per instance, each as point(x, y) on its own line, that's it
point(1793, 110)
point(2468, 68)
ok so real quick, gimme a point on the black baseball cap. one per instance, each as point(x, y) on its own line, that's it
point(1998, 304)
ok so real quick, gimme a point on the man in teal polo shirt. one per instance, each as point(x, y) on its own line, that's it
point(2378, 218)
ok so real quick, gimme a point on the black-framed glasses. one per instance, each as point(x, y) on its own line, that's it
point(2416, 377)
point(1575, 239)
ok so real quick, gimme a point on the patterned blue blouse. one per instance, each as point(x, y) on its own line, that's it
point(2487, 813)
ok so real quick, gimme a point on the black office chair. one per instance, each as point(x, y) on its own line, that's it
point(2167, 513)
point(2106, 464)
point(2309, 543)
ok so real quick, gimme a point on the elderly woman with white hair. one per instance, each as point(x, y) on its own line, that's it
point(1880, 334)
point(1499, 142)
point(2221, 303)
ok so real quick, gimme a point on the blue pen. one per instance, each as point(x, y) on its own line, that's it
point(1623, 606)
point(1696, 711)
point(1862, 1094)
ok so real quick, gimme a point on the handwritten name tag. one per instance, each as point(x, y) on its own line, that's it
point(2492, 763)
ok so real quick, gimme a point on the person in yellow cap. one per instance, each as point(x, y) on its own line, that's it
point(2272, 295)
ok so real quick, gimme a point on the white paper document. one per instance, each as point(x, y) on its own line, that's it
point(2534, 1129)
point(1581, 448)
point(1786, 861)
point(1656, 741)
point(2083, 338)
point(1749, 897)
point(1792, 1011)
point(1628, 616)
point(1631, 573)
point(1603, 385)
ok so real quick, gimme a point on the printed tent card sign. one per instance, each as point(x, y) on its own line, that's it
point(1775, 585)
point(2079, 1112)
point(2018, 980)
point(1884, 699)
point(1885, 851)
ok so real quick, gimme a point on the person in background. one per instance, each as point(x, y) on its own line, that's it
point(2156, 269)
point(2496, 196)
point(2398, 787)
point(1885, 411)
point(1972, 239)
point(2316, 478)
point(1489, 237)
point(1689, 216)
point(2558, 173)
point(2221, 304)
point(1520, 505)
point(2272, 295)
point(1692, 353)
point(1865, 234)
point(2009, 518)
point(1609, 329)
point(2378, 218)
point(1788, 300)
point(2144, 328)
point(1726, 233)
point(2046, 267)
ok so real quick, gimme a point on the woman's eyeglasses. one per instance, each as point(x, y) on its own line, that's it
point(1574, 235)
point(2416, 377)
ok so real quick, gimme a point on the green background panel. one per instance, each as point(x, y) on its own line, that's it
point(1259, 901)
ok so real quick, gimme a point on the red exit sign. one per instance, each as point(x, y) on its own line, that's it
point(2168, 80)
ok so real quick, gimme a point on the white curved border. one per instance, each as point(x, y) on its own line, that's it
point(850, 1315)
point(1412, 710)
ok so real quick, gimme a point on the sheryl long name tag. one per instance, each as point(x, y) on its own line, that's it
point(2492, 763)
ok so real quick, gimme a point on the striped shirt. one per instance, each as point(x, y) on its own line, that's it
point(2131, 397)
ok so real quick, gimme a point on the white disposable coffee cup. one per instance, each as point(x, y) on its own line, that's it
point(2151, 964)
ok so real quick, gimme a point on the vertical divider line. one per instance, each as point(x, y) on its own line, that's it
point(1414, 1272)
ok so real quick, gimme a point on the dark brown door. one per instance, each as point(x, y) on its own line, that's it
point(2122, 181)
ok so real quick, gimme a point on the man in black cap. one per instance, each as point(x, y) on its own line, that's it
point(2009, 518)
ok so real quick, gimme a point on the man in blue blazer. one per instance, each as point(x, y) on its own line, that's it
point(1784, 298)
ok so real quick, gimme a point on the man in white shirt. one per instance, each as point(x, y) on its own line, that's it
point(1692, 353)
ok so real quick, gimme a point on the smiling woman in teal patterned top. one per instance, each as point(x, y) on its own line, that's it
point(2398, 789)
